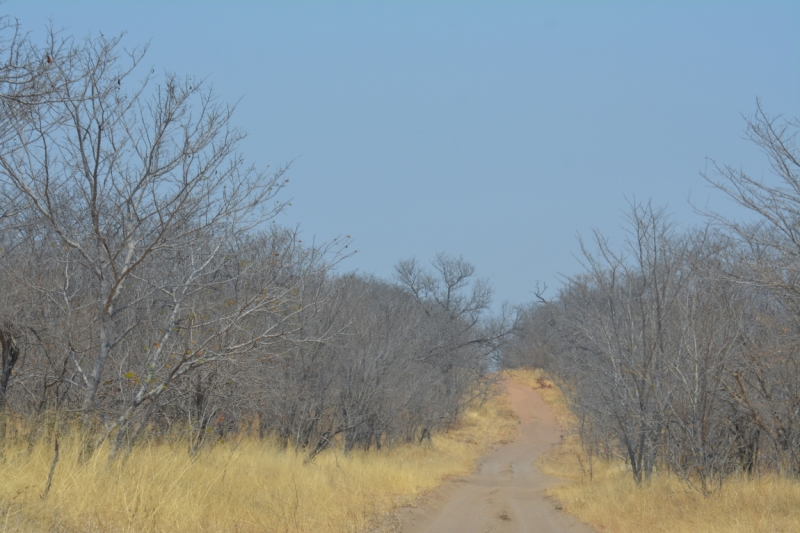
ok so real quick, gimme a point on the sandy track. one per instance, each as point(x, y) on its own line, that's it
point(506, 493)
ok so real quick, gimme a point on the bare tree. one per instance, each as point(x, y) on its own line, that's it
point(468, 338)
point(149, 291)
point(143, 195)
point(618, 334)
point(775, 239)
point(766, 384)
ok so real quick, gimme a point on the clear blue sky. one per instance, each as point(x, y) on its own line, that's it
point(495, 130)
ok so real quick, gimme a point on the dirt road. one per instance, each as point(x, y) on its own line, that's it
point(506, 494)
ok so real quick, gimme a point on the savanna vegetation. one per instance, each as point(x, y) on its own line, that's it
point(601, 492)
point(676, 354)
point(243, 483)
point(175, 360)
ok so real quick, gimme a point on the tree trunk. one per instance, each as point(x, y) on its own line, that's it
point(10, 355)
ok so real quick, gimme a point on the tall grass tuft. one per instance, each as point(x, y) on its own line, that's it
point(242, 485)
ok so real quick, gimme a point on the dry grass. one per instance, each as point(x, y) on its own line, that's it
point(610, 502)
point(244, 486)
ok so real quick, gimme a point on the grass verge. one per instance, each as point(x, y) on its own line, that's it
point(610, 502)
point(244, 486)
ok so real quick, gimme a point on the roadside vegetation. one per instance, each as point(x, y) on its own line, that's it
point(676, 355)
point(602, 493)
point(173, 359)
point(241, 484)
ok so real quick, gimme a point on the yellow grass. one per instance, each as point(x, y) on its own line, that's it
point(610, 502)
point(245, 486)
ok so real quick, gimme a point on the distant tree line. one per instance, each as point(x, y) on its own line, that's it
point(678, 350)
point(146, 290)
